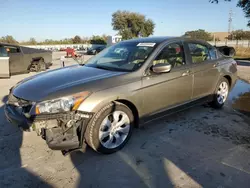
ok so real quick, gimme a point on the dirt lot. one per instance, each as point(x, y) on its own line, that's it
point(200, 147)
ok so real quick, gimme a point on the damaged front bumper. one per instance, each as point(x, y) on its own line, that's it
point(62, 131)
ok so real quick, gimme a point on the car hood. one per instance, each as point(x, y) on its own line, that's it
point(62, 82)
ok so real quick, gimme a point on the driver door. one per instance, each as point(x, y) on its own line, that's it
point(165, 90)
point(15, 59)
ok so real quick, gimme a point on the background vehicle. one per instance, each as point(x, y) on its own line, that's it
point(129, 83)
point(95, 50)
point(20, 59)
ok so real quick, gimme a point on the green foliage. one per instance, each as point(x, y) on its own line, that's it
point(98, 40)
point(245, 5)
point(8, 39)
point(199, 34)
point(77, 39)
point(32, 41)
point(131, 24)
point(240, 35)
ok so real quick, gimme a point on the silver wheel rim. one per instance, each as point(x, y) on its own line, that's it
point(222, 92)
point(114, 129)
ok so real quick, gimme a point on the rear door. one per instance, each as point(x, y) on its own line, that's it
point(165, 90)
point(204, 67)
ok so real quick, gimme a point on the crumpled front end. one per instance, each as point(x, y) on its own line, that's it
point(62, 131)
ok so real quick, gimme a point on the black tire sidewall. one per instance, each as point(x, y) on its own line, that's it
point(215, 102)
point(92, 131)
point(41, 65)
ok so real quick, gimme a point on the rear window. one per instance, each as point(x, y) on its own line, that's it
point(213, 53)
point(198, 52)
point(12, 49)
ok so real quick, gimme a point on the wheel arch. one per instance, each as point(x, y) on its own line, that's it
point(133, 108)
point(229, 79)
point(34, 61)
point(90, 106)
point(37, 59)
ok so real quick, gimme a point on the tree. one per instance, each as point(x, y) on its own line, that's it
point(244, 4)
point(131, 24)
point(77, 39)
point(32, 41)
point(85, 40)
point(8, 39)
point(217, 39)
point(238, 35)
point(98, 40)
point(247, 35)
point(199, 34)
point(105, 37)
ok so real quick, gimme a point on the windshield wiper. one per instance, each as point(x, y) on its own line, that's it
point(107, 68)
point(104, 68)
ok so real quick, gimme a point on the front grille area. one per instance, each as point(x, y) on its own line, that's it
point(12, 99)
point(15, 101)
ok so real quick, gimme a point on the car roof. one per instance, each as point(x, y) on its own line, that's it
point(153, 39)
point(159, 40)
point(7, 44)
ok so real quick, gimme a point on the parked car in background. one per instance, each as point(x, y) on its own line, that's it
point(132, 82)
point(95, 50)
point(23, 59)
point(62, 49)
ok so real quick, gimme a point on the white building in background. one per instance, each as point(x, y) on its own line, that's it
point(113, 40)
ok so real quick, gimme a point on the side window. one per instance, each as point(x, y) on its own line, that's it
point(172, 54)
point(12, 49)
point(3, 52)
point(213, 53)
point(198, 52)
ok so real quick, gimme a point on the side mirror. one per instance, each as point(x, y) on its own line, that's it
point(161, 68)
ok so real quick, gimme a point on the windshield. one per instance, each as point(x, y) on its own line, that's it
point(124, 56)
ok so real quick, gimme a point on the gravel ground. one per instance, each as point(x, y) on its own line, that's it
point(199, 147)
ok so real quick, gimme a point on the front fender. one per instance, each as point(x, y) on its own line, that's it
point(100, 99)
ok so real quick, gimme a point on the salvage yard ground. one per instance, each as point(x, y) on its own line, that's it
point(199, 147)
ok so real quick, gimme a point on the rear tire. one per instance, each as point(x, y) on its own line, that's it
point(37, 66)
point(41, 66)
point(221, 93)
point(110, 128)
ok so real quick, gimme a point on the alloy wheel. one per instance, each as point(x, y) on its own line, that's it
point(114, 129)
point(222, 92)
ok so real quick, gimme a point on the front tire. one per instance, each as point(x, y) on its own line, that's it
point(110, 128)
point(221, 94)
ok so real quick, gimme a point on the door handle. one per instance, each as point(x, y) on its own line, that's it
point(186, 73)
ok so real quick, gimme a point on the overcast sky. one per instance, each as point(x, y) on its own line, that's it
point(58, 19)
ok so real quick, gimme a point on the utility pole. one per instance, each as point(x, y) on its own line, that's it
point(230, 22)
